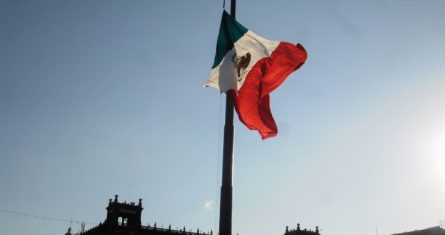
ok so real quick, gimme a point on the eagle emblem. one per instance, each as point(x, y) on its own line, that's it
point(241, 64)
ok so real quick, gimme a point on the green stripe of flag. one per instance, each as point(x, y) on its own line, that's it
point(229, 32)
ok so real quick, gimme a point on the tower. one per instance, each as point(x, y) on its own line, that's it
point(122, 214)
point(125, 219)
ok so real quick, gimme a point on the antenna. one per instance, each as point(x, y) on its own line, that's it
point(129, 193)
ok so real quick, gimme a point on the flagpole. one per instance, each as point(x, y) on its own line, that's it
point(225, 211)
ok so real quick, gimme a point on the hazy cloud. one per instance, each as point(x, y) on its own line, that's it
point(208, 204)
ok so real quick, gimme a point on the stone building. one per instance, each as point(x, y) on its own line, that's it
point(299, 231)
point(125, 219)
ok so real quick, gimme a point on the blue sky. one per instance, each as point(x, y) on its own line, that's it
point(105, 97)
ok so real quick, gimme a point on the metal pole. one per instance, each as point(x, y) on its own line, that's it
point(225, 211)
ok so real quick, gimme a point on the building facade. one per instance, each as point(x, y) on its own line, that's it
point(299, 231)
point(125, 219)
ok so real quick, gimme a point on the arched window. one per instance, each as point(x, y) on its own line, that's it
point(122, 221)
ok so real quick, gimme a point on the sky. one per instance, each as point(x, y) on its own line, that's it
point(99, 98)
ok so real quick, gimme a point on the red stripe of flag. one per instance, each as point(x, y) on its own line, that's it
point(252, 100)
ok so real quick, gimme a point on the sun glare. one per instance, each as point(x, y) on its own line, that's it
point(436, 151)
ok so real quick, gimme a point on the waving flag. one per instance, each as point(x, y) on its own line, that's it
point(249, 67)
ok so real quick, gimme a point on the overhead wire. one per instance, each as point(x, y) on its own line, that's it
point(42, 217)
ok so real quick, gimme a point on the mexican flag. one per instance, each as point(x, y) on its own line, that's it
point(249, 67)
